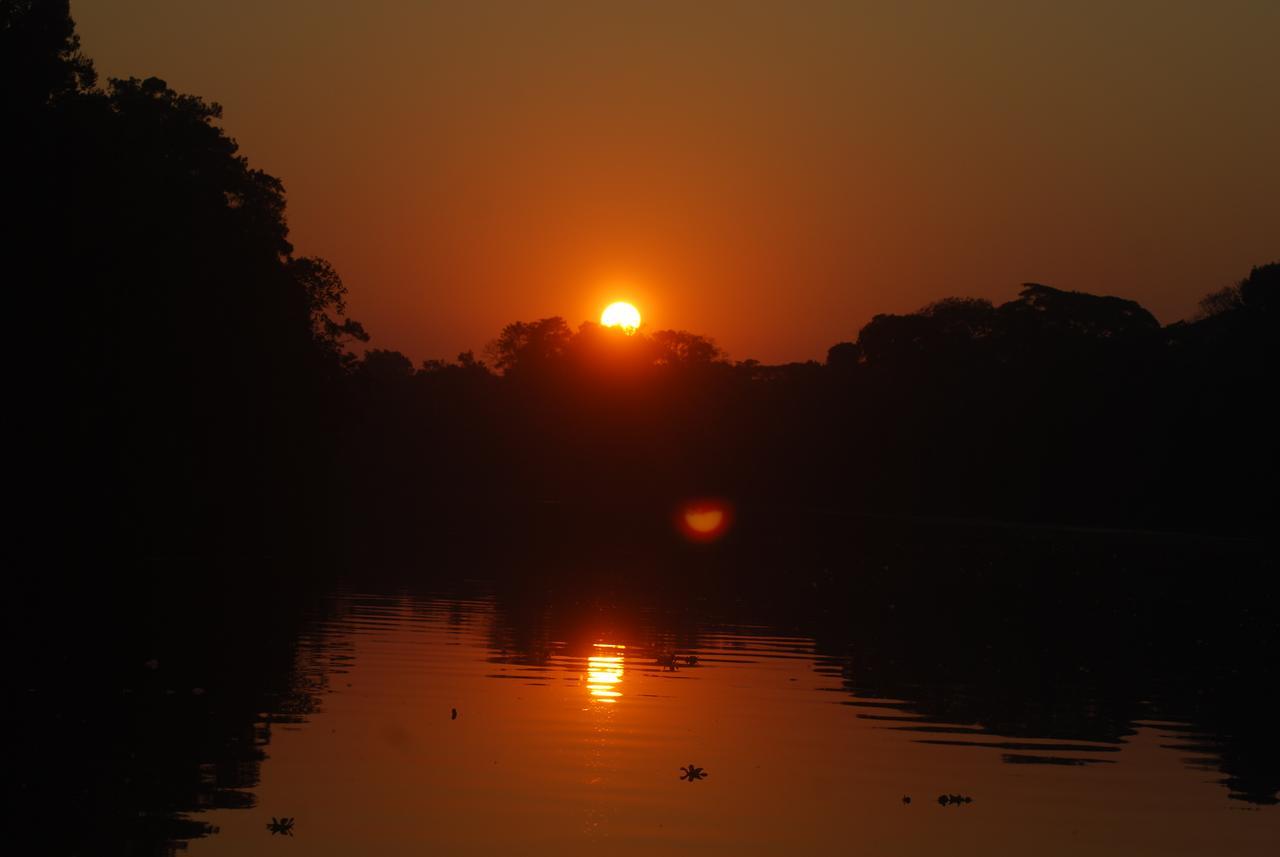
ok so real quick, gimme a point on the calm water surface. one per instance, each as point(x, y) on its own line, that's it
point(570, 738)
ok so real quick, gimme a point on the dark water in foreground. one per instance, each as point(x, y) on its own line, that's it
point(1118, 718)
point(579, 748)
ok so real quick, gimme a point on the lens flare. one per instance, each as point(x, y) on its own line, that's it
point(704, 520)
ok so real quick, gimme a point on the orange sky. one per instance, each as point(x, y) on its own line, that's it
point(769, 174)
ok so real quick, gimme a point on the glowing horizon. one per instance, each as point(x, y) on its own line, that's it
point(806, 169)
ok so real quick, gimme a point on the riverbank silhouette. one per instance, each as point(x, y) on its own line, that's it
point(194, 391)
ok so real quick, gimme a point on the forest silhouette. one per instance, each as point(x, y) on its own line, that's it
point(194, 387)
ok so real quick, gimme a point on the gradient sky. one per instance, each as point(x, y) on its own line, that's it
point(769, 174)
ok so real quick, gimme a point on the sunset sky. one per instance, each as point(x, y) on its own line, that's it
point(769, 174)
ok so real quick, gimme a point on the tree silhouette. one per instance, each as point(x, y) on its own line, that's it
point(199, 379)
point(194, 358)
point(1260, 291)
point(40, 59)
point(530, 346)
point(844, 357)
point(681, 348)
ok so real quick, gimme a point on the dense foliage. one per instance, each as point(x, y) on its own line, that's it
point(1054, 407)
point(190, 387)
point(185, 361)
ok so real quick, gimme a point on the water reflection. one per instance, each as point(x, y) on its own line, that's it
point(852, 703)
point(758, 710)
point(604, 672)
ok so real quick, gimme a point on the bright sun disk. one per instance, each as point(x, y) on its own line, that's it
point(621, 314)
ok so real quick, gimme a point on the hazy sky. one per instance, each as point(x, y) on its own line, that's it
point(769, 174)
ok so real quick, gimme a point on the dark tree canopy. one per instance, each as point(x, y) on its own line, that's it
point(40, 59)
point(193, 356)
point(844, 356)
point(530, 346)
point(1260, 291)
point(681, 348)
point(1050, 311)
point(196, 379)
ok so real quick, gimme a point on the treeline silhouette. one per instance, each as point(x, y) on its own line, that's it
point(1054, 407)
point(189, 385)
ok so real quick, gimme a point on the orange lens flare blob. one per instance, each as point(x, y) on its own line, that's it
point(704, 520)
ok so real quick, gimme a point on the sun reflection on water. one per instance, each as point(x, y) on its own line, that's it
point(604, 672)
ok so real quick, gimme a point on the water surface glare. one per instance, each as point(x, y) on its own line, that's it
point(572, 741)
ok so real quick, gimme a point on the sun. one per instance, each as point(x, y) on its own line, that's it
point(623, 315)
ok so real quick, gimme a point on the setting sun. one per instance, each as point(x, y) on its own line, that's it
point(621, 314)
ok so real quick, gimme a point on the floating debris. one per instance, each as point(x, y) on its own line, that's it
point(906, 799)
point(281, 826)
point(453, 714)
point(953, 800)
point(693, 772)
point(692, 660)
